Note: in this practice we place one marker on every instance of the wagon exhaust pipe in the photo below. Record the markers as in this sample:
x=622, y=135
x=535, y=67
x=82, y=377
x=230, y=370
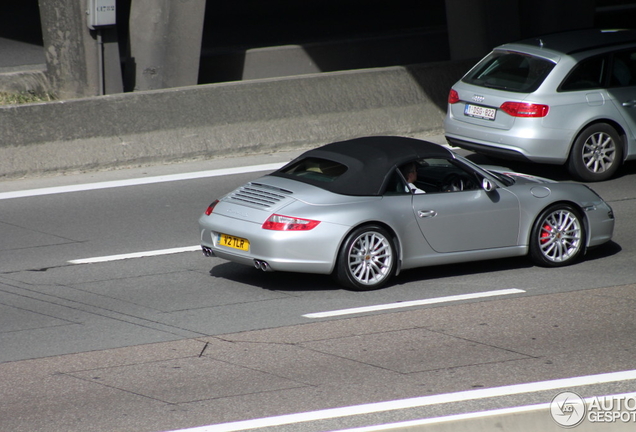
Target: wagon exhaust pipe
x=262, y=265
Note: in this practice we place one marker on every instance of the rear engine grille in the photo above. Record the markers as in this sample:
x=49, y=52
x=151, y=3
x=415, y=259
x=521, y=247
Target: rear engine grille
x=259, y=195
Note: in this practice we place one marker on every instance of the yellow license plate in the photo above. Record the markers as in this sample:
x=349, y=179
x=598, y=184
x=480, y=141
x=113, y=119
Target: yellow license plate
x=234, y=242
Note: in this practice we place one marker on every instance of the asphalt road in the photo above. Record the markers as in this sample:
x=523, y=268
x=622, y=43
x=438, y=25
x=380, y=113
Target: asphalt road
x=176, y=340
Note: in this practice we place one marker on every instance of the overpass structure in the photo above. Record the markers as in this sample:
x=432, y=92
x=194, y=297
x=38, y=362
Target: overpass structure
x=193, y=79
x=95, y=47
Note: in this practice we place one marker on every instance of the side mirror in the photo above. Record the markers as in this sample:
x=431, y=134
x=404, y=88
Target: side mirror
x=488, y=185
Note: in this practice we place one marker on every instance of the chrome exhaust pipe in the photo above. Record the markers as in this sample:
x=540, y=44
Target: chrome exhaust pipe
x=262, y=265
x=207, y=251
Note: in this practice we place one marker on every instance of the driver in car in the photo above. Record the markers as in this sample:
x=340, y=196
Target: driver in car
x=409, y=172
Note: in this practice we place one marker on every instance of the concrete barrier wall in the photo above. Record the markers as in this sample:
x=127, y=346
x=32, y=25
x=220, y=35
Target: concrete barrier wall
x=223, y=119
x=16, y=80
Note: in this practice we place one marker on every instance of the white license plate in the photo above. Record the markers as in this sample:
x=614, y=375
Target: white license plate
x=480, y=112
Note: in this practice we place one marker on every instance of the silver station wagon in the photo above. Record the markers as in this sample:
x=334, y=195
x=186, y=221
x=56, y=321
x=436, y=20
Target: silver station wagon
x=566, y=98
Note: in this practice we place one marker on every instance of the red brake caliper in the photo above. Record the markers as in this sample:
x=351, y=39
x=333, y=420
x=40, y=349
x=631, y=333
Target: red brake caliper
x=545, y=233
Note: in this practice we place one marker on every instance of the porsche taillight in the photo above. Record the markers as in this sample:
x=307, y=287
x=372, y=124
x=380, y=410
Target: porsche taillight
x=210, y=208
x=278, y=222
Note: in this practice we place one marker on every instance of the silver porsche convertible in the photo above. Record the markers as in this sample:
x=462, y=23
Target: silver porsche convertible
x=367, y=208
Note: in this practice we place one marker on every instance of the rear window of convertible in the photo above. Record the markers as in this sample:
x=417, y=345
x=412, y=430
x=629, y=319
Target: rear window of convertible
x=510, y=71
x=316, y=169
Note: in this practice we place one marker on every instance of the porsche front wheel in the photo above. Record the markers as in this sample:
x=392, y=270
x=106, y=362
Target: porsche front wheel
x=558, y=237
x=367, y=259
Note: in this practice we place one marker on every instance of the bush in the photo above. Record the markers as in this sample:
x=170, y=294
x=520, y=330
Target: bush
x=24, y=98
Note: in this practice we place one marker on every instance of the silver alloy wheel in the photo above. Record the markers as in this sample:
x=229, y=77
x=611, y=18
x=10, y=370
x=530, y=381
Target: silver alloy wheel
x=370, y=258
x=599, y=152
x=560, y=236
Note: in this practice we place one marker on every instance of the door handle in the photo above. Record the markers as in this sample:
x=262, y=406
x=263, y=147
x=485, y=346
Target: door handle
x=426, y=213
x=629, y=104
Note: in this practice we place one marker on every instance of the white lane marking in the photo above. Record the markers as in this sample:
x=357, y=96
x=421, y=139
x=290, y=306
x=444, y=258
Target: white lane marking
x=448, y=419
x=135, y=255
x=138, y=181
x=416, y=402
x=476, y=415
x=414, y=303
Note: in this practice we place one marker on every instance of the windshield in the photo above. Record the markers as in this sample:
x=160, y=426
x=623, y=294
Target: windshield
x=503, y=178
x=510, y=71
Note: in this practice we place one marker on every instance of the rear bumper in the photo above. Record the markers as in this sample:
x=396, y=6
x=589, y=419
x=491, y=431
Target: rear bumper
x=488, y=150
x=274, y=263
x=526, y=141
x=293, y=251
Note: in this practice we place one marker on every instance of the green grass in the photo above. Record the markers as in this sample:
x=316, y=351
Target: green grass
x=24, y=98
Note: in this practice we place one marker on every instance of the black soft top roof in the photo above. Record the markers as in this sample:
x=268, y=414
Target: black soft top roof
x=370, y=161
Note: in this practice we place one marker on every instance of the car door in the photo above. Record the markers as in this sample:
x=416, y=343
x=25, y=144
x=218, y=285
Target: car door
x=465, y=218
x=622, y=87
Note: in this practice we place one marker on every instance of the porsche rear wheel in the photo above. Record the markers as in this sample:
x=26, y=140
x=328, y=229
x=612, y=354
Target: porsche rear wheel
x=558, y=237
x=367, y=259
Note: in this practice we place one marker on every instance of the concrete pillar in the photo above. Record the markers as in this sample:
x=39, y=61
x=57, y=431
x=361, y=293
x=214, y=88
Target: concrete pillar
x=165, y=43
x=477, y=26
x=71, y=51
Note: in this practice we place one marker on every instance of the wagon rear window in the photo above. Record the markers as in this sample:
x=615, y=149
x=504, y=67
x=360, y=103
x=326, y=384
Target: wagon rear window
x=316, y=169
x=510, y=71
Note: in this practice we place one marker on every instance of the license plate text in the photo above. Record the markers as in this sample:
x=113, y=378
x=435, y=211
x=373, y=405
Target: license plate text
x=234, y=242
x=480, y=112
